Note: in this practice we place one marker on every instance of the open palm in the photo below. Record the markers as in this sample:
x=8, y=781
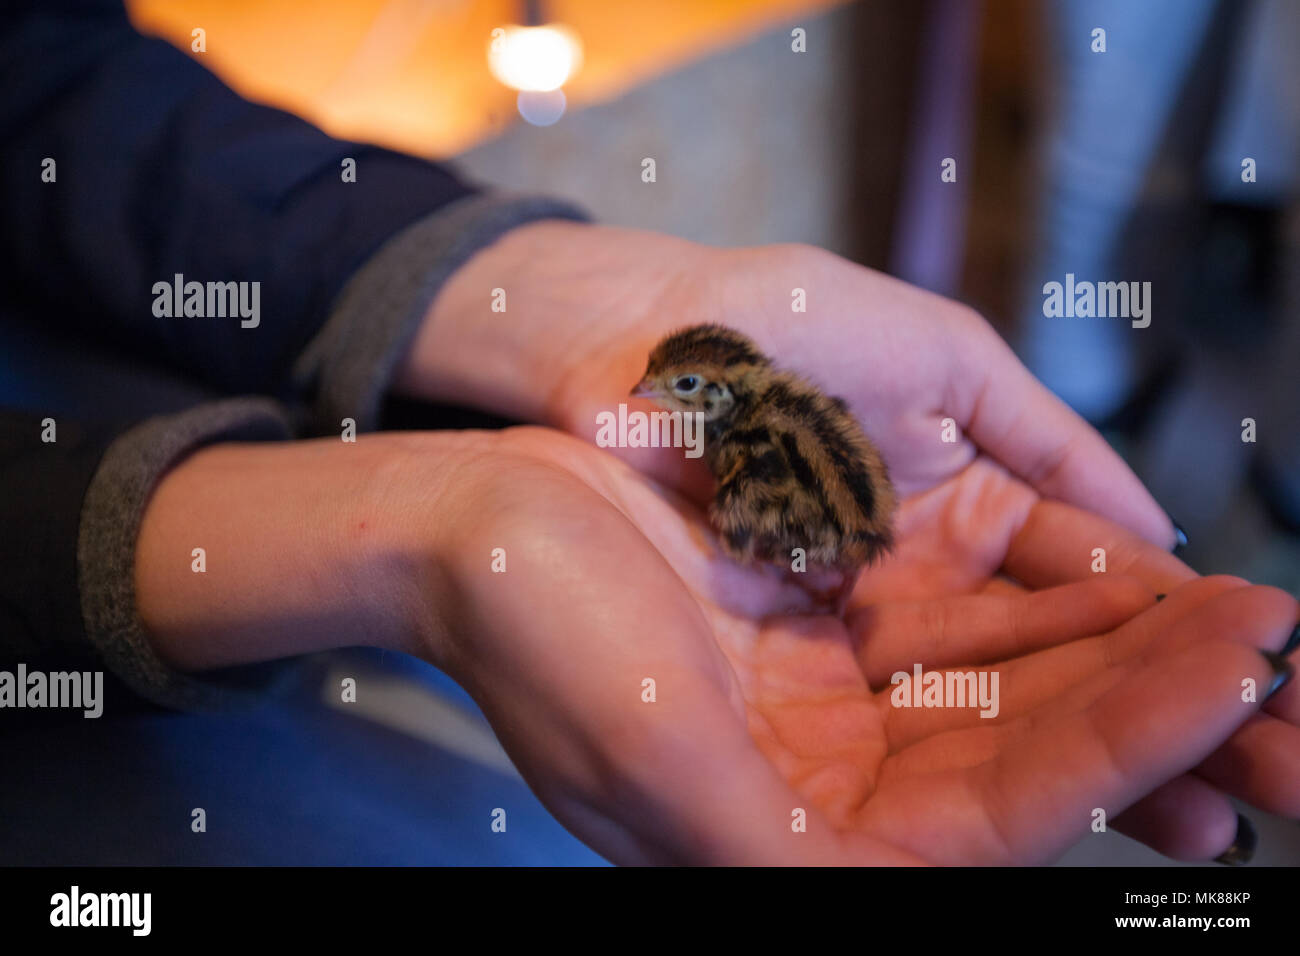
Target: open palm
x=588, y=302
x=761, y=716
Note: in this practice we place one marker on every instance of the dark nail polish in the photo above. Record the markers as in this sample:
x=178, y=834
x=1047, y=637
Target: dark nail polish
x=1282, y=672
x=1243, y=846
x=1161, y=597
x=1180, y=537
x=1292, y=642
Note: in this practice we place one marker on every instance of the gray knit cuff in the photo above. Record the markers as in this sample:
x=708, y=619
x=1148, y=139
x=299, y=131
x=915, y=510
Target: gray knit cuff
x=110, y=524
x=348, y=365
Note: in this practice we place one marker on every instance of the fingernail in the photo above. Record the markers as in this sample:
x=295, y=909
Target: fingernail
x=1161, y=597
x=1282, y=672
x=1292, y=642
x=1243, y=846
x=1180, y=537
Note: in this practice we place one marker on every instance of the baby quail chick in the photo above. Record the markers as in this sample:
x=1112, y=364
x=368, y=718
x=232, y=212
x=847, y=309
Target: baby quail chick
x=793, y=467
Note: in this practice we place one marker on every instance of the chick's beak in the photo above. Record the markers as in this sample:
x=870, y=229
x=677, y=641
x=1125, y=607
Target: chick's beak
x=643, y=389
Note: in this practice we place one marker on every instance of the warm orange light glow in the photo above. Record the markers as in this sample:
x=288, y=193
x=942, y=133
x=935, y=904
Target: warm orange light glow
x=534, y=59
x=412, y=74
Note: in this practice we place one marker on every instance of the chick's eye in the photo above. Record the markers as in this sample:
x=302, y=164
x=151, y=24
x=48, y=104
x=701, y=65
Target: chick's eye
x=686, y=384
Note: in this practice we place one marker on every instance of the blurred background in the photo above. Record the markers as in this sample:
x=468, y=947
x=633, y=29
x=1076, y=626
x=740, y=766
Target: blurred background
x=1164, y=149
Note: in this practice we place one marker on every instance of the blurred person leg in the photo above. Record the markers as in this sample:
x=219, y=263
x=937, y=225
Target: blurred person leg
x=1262, y=123
x=1110, y=112
x=1277, y=468
x=1236, y=325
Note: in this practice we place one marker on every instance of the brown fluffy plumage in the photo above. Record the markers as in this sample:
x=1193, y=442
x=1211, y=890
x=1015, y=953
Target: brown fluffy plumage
x=794, y=468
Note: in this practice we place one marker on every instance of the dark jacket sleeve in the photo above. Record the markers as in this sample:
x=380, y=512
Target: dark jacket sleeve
x=159, y=170
x=74, y=496
x=43, y=483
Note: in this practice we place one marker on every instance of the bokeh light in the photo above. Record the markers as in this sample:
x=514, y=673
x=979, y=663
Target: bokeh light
x=534, y=59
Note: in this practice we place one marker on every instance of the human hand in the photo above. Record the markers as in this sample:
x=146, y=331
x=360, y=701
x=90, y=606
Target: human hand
x=612, y=581
x=590, y=301
x=584, y=305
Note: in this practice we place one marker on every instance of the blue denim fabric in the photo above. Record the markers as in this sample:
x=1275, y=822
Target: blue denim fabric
x=1111, y=113
x=294, y=783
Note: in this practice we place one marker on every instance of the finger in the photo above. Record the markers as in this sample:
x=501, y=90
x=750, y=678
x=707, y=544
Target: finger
x=1059, y=543
x=1218, y=606
x=1259, y=764
x=1185, y=819
x=1285, y=704
x=1076, y=673
x=1153, y=725
x=951, y=539
x=1013, y=416
x=1001, y=585
x=973, y=629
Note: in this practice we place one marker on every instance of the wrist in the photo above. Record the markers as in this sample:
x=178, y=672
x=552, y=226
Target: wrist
x=470, y=349
x=305, y=546
x=509, y=328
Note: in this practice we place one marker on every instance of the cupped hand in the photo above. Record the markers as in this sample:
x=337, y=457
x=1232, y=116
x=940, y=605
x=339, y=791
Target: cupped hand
x=932, y=383
x=586, y=303
x=657, y=698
